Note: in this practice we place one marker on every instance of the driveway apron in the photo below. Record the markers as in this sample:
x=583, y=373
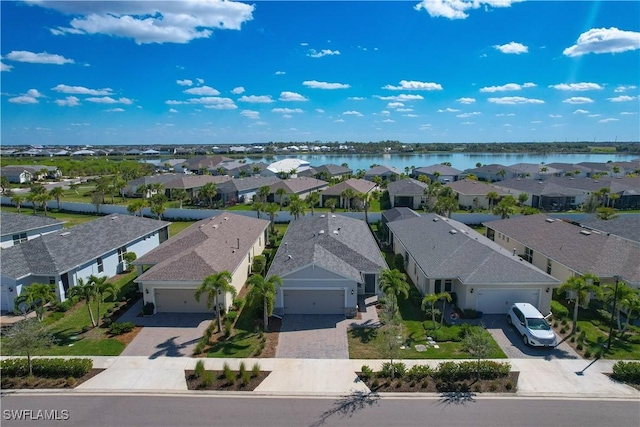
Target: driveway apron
x=305, y=336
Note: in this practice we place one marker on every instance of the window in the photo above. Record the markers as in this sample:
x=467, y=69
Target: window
x=19, y=238
x=528, y=255
x=448, y=285
x=52, y=280
x=438, y=288
x=406, y=258
x=100, y=265
x=548, y=265
x=121, y=252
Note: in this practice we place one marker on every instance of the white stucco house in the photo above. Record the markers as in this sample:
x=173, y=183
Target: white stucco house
x=18, y=228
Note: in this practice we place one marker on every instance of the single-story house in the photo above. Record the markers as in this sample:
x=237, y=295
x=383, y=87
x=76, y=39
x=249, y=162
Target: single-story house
x=16, y=175
x=442, y=173
x=443, y=255
x=20, y=174
x=492, y=173
x=325, y=262
x=242, y=190
x=535, y=171
x=301, y=186
x=198, y=164
x=193, y=183
x=565, y=250
x=386, y=173
x=335, y=191
x=408, y=193
x=18, y=228
x=570, y=169
x=595, y=168
x=472, y=194
x=548, y=195
x=62, y=258
x=227, y=242
x=395, y=214
x=328, y=171
x=287, y=167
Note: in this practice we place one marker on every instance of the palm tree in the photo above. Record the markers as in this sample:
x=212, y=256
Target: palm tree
x=272, y=210
x=33, y=199
x=296, y=206
x=331, y=204
x=445, y=205
x=101, y=289
x=264, y=289
x=612, y=199
x=263, y=193
x=312, y=199
x=102, y=187
x=431, y=191
x=36, y=295
x=501, y=173
x=136, y=206
x=208, y=192
x=347, y=194
x=492, y=196
x=214, y=285
x=429, y=305
x=179, y=194
x=57, y=193
x=258, y=207
x=85, y=292
x=622, y=293
x=632, y=305
x=42, y=198
x=280, y=192
x=394, y=283
x=581, y=286
x=4, y=183
x=118, y=185
x=506, y=207
x=17, y=200
x=158, y=205
x=445, y=297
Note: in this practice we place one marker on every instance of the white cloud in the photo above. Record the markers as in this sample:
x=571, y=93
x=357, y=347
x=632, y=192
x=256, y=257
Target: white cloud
x=324, y=52
x=505, y=115
x=81, y=90
x=173, y=110
x=578, y=100
x=31, y=97
x=628, y=113
x=256, y=99
x=5, y=67
x=623, y=98
x=555, y=116
x=512, y=48
x=404, y=110
x=115, y=110
x=69, y=101
x=319, y=110
x=352, y=113
x=414, y=85
x=37, y=58
x=338, y=121
x=577, y=86
x=385, y=113
x=202, y=91
x=395, y=105
x=291, y=96
x=237, y=90
x=594, y=115
x=468, y=123
x=507, y=87
x=214, y=102
x=604, y=40
x=580, y=111
x=280, y=73
x=535, y=122
x=200, y=81
x=466, y=100
x=448, y=110
x=623, y=88
x=510, y=100
x=401, y=98
x=304, y=44
x=152, y=21
x=314, y=84
x=456, y=9
x=185, y=82
x=109, y=100
x=250, y=114
x=287, y=110
x=356, y=98
x=466, y=115
x=411, y=115
x=388, y=121
x=611, y=119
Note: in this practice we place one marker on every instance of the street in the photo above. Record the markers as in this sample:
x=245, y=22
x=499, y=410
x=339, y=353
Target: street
x=73, y=409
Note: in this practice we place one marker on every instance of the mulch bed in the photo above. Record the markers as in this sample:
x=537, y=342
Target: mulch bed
x=126, y=338
x=39, y=382
x=507, y=384
x=271, y=344
x=636, y=386
x=220, y=382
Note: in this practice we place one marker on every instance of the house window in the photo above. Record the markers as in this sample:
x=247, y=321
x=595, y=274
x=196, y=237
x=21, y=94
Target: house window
x=100, y=265
x=52, y=280
x=548, y=265
x=528, y=255
x=438, y=287
x=19, y=238
x=406, y=258
x=448, y=285
x=415, y=269
x=121, y=252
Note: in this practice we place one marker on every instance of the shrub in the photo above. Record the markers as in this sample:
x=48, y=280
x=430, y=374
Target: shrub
x=573, y=338
x=109, y=310
x=579, y=346
x=398, y=262
x=207, y=379
x=85, y=329
x=238, y=303
x=446, y=371
x=430, y=325
x=555, y=323
x=71, y=382
x=199, y=347
x=242, y=369
x=231, y=316
x=228, y=327
x=230, y=376
x=226, y=368
x=399, y=368
x=563, y=330
x=508, y=385
x=375, y=383
x=425, y=383
x=148, y=309
x=587, y=353
x=199, y=371
x=628, y=372
x=118, y=328
x=419, y=372
x=48, y=368
x=493, y=386
x=563, y=322
x=367, y=372
x=255, y=370
x=246, y=377
x=559, y=311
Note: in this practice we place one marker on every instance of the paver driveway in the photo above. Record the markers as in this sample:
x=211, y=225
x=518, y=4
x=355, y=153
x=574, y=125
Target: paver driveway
x=313, y=336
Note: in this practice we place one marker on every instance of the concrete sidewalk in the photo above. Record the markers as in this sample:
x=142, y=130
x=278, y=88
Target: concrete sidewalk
x=538, y=378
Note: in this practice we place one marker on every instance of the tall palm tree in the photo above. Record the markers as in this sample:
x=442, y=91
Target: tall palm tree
x=632, y=305
x=394, y=283
x=136, y=206
x=347, y=194
x=208, y=192
x=158, y=205
x=264, y=289
x=445, y=205
x=85, y=291
x=179, y=194
x=263, y=193
x=17, y=200
x=280, y=192
x=214, y=286
x=429, y=305
x=506, y=207
x=42, y=199
x=272, y=210
x=580, y=286
x=36, y=295
x=312, y=200
x=258, y=207
x=331, y=204
x=492, y=196
x=431, y=191
x=33, y=199
x=445, y=297
x=296, y=206
x=57, y=193
x=4, y=184
x=501, y=173
x=622, y=295
x=101, y=289
x=118, y=185
x=522, y=198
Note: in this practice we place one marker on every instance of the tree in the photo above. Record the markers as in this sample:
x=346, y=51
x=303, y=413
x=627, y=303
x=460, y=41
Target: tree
x=85, y=292
x=259, y=263
x=179, y=194
x=501, y=173
x=492, y=196
x=580, y=286
x=17, y=200
x=102, y=188
x=97, y=199
x=312, y=200
x=26, y=337
x=331, y=204
x=158, y=205
x=258, y=207
x=445, y=205
x=506, y=207
x=57, y=193
x=215, y=285
x=101, y=289
x=623, y=294
x=264, y=289
x=445, y=297
x=522, y=198
x=280, y=192
x=33, y=199
x=347, y=194
x=118, y=186
x=431, y=192
x=136, y=206
x=612, y=199
x=272, y=210
x=394, y=283
x=35, y=296
x=4, y=184
x=606, y=214
x=296, y=206
x=263, y=193
x=429, y=306
x=391, y=330
x=632, y=305
x=479, y=344
x=208, y=192
x=128, y=258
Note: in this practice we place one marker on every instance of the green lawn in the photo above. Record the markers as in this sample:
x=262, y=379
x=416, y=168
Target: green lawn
x=245, y=338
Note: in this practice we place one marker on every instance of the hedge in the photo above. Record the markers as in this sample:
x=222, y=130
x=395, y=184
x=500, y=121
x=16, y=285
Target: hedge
x=628, y=372
x=559, y=311
x=47, y=368
x=118, y=328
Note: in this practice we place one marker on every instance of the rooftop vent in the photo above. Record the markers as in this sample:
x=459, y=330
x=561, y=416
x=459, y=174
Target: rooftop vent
x=321, y=232
x=333, y=216
x=226, y=218
x=453, y=232
x=549, y=219
x=215, y=225
x=113, y=218
x=436, y=219
x=66, y=233
x=335, y=232
x=322, y=216
x=585, y=232
x=514, y=251
x=289, y=256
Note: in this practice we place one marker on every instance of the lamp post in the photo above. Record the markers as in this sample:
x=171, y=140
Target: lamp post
x=613, y=310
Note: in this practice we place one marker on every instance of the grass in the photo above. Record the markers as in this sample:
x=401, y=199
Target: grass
x=245, y=338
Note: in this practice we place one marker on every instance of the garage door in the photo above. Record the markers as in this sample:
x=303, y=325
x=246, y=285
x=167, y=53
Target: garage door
x=180, y=301
x=313, y=301
x=498, y=301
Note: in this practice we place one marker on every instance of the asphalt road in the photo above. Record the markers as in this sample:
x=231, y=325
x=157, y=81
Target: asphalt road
x=355, y=410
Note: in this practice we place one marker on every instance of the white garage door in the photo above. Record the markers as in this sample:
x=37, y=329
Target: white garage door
x=498, y=301
x=180, y=301
x=313, y=301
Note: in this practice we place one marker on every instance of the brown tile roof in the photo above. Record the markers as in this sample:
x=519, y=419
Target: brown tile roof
x=207, y=247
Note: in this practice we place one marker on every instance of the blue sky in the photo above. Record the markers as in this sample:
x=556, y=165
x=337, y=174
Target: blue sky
x=200, y=72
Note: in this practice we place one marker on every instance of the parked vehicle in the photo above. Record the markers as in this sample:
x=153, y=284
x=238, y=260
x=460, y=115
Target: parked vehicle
x=531, y=325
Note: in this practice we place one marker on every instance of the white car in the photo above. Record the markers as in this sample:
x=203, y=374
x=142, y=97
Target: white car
x=531, y=325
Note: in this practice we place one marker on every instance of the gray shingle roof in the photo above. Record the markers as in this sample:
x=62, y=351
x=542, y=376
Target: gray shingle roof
x=199, y=162
x=543, y=188
x=357, y=185
x=332, y=169
x=465, y=254
x=195, y=181
x=382, y=170
x=209, y=246
x=396, y=214
x=346, y=247
x=625, y=226
x=58, y=252
x=249, y=183
x=474, y=188
x=442, y=169
x=406, y=187
x=492, y=169
x=12, y=223
x=300, y=184
x=602, y=255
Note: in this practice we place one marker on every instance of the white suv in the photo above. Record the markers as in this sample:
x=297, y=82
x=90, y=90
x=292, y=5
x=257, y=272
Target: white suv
x=531, y=325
